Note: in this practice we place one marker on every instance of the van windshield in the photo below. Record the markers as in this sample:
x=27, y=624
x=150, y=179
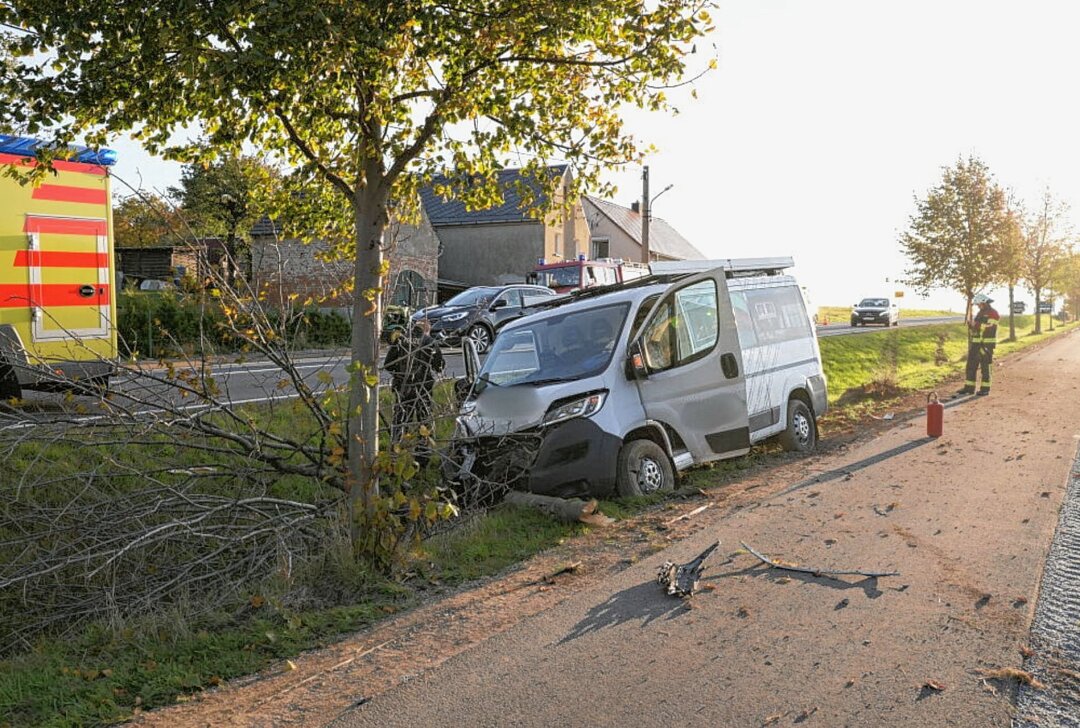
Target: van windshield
x=555, y=349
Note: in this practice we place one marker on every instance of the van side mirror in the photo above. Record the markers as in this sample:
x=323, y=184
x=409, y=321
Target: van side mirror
x=635, y=362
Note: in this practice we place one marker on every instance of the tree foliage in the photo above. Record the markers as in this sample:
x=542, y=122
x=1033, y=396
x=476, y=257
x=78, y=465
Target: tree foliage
x=224, y=198
x=954, y=237
x=1045, y=247
x=370, y=100
x=145, y=221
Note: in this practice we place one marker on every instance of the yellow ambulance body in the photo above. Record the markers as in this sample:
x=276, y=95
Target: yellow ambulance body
x=57, y=272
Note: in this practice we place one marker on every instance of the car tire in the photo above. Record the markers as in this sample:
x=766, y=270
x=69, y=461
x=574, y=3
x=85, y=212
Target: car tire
x=643, y=468
x=801, y=432
x=481, y=336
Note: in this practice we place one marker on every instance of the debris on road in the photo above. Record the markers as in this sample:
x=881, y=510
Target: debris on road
x=688, y=516
x=567, y=510
x=1010, y=673
x=681, y=580
x=934, y=685
x=813, y=570
x=886, y=510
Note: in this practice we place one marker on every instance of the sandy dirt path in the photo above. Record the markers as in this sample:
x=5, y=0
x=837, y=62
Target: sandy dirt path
x=966, y=519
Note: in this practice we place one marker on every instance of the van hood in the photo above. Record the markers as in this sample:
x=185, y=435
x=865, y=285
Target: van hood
x=505, y=410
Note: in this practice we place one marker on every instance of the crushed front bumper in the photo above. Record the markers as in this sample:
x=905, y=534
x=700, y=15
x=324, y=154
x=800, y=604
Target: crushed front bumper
x=571, y=459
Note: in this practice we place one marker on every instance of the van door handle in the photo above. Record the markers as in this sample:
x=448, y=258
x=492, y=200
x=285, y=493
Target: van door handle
x=729, y=365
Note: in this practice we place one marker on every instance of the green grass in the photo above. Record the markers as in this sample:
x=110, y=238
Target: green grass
x=103, y=676
x=898, y=360
x=99, y=676
x=492, y=542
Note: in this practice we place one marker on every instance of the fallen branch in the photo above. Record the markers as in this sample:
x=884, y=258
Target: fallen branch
x=1011, y=673
x=688, y=516
x=567, y=510
x=816, y=572
x=321, y=673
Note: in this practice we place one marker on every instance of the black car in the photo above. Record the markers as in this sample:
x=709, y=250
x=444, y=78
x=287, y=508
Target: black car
x=480, y=312
x=875, y=311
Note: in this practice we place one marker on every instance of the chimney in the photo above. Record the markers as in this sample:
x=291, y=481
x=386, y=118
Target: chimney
x=635, y=206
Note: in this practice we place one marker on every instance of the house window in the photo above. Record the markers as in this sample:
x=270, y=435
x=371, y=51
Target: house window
x=600, y=248
x=409, y=289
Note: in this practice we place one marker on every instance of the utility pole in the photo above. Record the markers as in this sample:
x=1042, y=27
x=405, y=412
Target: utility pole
x=645, y=253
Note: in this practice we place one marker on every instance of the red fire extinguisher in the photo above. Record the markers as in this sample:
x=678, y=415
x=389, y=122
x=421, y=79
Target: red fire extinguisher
x=935, y=415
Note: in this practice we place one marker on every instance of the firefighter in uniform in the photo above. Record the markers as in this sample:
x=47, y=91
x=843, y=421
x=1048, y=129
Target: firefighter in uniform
x=981, y=345
x=413, y=361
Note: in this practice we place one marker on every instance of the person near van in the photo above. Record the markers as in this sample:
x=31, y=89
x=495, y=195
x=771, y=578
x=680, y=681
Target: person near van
x=983, y=340
x=413, y=362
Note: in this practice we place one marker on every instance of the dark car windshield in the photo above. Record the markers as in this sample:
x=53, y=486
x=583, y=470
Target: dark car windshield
x=473, y=297
x=874, y=302
x=556, y=349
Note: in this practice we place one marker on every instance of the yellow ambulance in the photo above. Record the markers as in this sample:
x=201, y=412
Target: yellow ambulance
x=57, y=272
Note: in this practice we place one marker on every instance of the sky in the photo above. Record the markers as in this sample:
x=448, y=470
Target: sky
x=824, y=120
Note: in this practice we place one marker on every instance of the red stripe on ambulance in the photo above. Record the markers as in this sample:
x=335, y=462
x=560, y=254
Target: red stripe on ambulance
x=67, y=193
x=59, y=259
x=64, y=226
x=17, y=295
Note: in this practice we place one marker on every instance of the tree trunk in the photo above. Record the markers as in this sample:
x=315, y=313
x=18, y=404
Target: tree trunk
x=1038, y=316
x=1012, y=317
x=369, y=209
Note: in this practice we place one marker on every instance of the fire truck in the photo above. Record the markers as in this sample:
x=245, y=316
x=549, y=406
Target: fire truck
x=571, y=275
x=57, y=270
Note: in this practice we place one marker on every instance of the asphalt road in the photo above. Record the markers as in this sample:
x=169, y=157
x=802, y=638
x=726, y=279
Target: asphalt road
x=844, y=328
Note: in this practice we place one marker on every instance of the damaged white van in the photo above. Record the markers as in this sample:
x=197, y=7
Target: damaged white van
x=614, y=390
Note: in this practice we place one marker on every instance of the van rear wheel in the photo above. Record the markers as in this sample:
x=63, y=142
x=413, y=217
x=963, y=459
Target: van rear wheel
x=643, y=468
x=801, y=432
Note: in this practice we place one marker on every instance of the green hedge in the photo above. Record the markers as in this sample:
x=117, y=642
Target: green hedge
x=170, y=324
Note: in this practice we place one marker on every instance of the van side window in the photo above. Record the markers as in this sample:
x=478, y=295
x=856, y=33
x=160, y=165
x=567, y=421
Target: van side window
x=744, y=322
x=777, y=314
x=642, y=312
x=684, y=328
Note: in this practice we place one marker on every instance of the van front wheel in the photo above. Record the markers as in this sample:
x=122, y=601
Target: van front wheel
x=801, y=432
x=643, y=468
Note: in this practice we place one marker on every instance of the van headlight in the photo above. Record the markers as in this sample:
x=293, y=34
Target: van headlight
x=585, y=406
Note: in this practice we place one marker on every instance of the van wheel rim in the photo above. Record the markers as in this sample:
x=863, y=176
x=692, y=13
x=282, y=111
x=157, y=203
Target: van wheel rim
x=802, y=428
x=650, y=475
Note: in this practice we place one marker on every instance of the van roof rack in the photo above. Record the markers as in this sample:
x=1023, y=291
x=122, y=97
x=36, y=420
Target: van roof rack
x=669, y=271
x=736, y=267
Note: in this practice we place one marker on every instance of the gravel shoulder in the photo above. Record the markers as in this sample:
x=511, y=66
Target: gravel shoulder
x=966, y=519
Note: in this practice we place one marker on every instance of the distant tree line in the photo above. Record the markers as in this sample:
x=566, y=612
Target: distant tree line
x=969, y=234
